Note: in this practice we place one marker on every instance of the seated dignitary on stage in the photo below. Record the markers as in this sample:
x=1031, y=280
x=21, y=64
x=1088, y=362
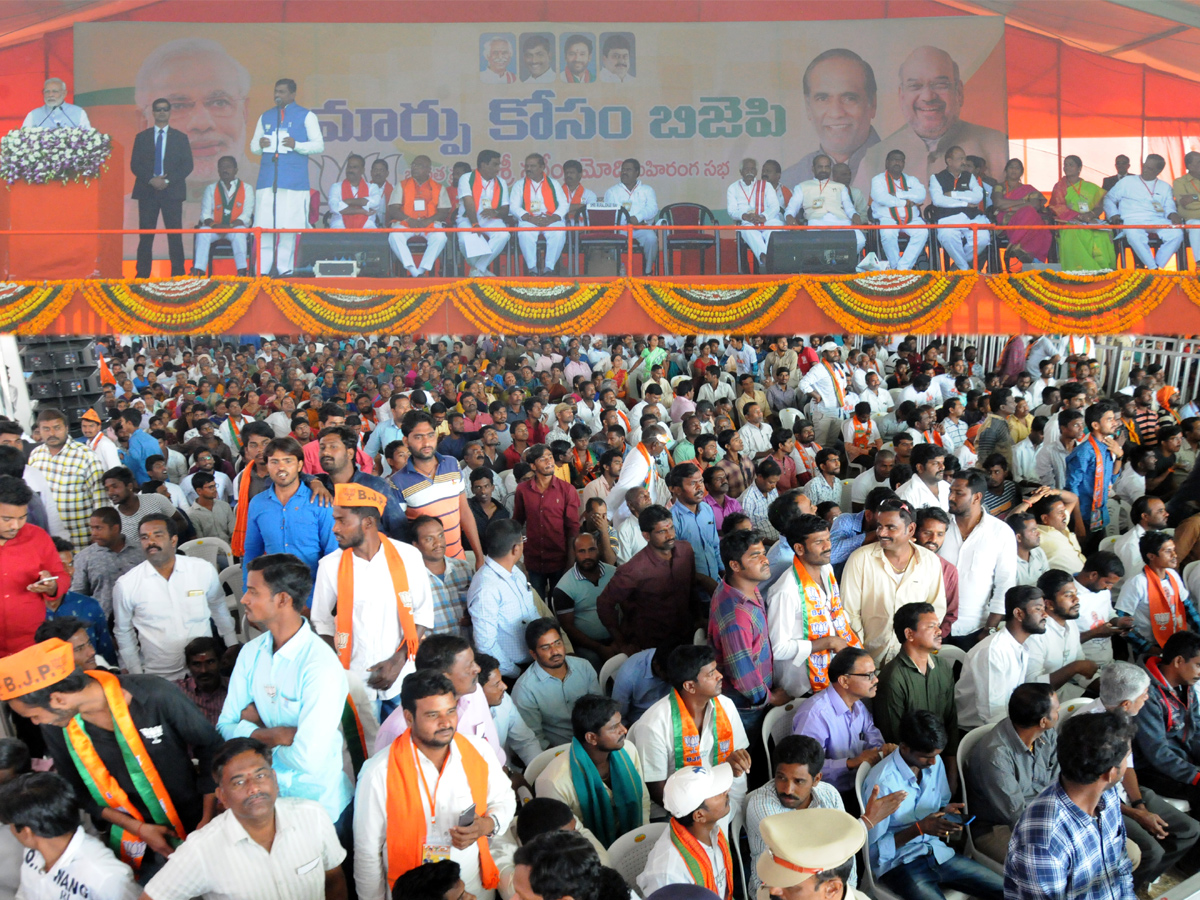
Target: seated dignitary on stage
x=821, y=202
x=422, y=202
x=1146, y=200
x=538, y=202
x=353, y=201
x=896, y=200
x=641, y=206
x=229, y=203
x=955, y=197
x=482, y=201
x=751, y=203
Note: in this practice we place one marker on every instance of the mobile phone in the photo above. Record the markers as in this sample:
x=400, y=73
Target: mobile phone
x=468, y=817
x=956, y=819
x=52, y=579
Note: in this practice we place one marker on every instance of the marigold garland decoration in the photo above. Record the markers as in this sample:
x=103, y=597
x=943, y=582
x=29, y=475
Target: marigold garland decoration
x=510, y=307
x=325, y=311
x=1084, y=304
x=29, y=307
x=1190, y=286
x=178, y=306
x=688, y=309
x=890, y=301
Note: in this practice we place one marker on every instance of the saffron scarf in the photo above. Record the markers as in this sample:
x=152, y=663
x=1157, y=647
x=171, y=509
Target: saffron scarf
x=819, y=619
x=837, y=388
x=687, y=735
x=235, y=432
x=477, y=190
x=243, y=511
x=344, y=637
x=1097, y=520
x=649, y=465
x=1166, y=617
x=103, y=786
x=895, y=210
x=427, y=193
x=862, y=434
x=808, y=462
x=352, y=730
x=575, y=196
x=353, y=220
x=933, y=437
x=549, y=201
x=695, y=857
x=231, y=207
x=594, y=801
x=406, y=818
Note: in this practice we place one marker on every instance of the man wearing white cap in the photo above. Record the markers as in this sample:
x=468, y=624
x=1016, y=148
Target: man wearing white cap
x=693, y=850
x=825, y=384
x=810, y=854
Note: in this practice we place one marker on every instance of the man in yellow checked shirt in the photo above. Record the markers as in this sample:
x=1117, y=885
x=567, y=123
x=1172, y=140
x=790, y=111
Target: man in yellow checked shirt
x=124, y=742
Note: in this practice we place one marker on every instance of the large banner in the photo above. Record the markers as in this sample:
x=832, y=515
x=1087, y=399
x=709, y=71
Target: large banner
x=689, y=101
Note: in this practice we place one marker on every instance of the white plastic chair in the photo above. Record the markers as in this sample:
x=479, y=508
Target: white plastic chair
x=866, y=879
x=965, y=746
x=208, y=548
x=1114, y=517
x=700, y=638
x=231, y=582
x=847, y=490
x=629, y=852
x=777, y=724
x=788, y=417
x=952, y=656
x=1106, y=543
x=608, y=672
x=538, y=764
x=736, y=827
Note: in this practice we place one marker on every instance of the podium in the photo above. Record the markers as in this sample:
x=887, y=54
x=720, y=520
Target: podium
x=60, y=206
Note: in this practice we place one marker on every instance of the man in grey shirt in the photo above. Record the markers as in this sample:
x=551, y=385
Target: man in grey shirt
x=105, y=559
x=1012, y=764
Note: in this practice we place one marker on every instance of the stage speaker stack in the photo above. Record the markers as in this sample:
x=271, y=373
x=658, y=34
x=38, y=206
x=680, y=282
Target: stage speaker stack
x=64, y=374
x=815, y=252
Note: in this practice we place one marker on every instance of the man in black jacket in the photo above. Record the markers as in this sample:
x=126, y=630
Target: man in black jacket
x=1167, y=751
x=161, y=162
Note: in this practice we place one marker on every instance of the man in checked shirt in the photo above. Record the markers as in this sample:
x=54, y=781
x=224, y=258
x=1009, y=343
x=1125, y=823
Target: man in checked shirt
x=73, y=471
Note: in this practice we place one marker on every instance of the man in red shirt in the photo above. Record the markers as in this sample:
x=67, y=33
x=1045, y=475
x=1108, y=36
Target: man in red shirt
x=548, y=507
x=30, y=569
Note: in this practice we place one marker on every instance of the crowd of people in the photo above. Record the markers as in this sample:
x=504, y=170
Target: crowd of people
x=961, y=194
x=493, y=604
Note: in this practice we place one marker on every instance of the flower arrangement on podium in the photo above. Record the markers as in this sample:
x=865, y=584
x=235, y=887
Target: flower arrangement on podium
x=43, y=155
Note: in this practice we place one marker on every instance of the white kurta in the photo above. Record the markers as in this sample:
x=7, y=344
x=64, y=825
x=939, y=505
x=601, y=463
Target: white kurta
x=640, y=203
x=758, y=198
x=527, y=238
x=337, y=205
x=237, y=242
x=482, y=245
x=284, y=208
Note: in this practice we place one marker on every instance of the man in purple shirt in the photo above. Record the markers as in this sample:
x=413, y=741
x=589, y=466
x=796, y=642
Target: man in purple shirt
x=841, y=723
x=716, y=484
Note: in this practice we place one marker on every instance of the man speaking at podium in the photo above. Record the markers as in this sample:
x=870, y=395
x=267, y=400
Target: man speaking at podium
x=284, y=137
x=56, y=112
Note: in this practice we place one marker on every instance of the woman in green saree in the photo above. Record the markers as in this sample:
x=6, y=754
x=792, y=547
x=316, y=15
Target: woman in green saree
x=1079, y=202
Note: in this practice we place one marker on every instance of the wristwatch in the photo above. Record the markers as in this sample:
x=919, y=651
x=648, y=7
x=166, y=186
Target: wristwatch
x=1138, y=803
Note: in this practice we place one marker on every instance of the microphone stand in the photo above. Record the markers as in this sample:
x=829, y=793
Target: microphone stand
x=274, y=273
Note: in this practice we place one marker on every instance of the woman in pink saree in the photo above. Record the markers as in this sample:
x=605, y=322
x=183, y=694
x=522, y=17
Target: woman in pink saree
x=1018, y=205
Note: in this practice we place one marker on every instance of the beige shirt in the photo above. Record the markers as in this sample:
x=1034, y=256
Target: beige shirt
x=1062, y=550
x=871, y=594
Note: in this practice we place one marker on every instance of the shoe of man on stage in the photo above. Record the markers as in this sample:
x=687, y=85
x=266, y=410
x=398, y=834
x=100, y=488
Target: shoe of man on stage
x=285, y=136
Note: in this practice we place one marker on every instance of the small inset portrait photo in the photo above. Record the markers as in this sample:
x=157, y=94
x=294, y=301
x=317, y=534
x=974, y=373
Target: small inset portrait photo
x=537, y=58
x=497, y=59
x=578, y=57
x=618, y=59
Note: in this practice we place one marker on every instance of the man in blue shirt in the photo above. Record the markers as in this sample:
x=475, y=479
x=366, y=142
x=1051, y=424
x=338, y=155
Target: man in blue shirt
x=282, y=520
x=141, y=445
x=640, y=682
x=696, y=523
x=1087, y=480
x=907, y=849
x=499, y=600
x=289, y=690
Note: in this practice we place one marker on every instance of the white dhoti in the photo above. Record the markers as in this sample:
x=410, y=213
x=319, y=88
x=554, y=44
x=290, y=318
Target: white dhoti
x=1139, y=242
x=958, y=242
x=859, y=238
x=290, y=209
x=527, y=239
x=648, y=241
x=482, y=246
x=435, y=243
x=203, y=246
x=889, y=239
x=757, y=240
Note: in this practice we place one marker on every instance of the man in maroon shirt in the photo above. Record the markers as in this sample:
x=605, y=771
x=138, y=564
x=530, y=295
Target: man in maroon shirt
x=548, y=507
x=651, y=600
x=30, y=569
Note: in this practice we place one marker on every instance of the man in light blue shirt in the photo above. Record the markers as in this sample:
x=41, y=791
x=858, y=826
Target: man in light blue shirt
x=499, y=600
x=386, y=432
x=282, y=519
x=546, y=693
x=289, y=691
x=908, y=850
x=696, y=523
x=56, y=112
x=640, y=682
x=141, y=445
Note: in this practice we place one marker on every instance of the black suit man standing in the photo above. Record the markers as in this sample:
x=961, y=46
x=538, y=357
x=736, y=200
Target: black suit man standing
x=161, y=162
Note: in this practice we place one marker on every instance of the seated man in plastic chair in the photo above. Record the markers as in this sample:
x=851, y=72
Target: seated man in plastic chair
x=1146, y=200
x=752, y=205
x=641, y=206
x=821, y=202
x=354, y=201
x=956, y=198
x=227, y=204
x=482, y=201
x=538, y=203
x=422, y=203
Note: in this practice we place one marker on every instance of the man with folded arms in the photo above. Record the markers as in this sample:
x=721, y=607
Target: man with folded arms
x=538, y=202
x=421, y=203
x=125, y=743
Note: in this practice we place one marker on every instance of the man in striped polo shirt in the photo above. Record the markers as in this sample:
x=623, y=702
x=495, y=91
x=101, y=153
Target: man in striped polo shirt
x=432, y=485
